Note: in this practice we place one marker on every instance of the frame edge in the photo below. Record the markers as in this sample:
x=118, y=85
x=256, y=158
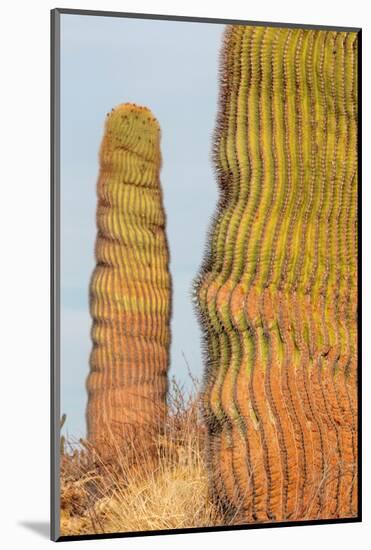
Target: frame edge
x=54, y=275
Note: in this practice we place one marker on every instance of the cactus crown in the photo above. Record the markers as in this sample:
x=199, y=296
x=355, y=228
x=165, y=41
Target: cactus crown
x=133, y=128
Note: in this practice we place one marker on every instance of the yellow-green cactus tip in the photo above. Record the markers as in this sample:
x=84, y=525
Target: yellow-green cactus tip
x=134, y=128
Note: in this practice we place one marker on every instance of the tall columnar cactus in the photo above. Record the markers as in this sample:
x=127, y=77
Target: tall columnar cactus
x=277, y=294
x=130, y=292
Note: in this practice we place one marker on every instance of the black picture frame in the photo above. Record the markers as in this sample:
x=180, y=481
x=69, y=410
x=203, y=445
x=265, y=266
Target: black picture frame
x=55, y=274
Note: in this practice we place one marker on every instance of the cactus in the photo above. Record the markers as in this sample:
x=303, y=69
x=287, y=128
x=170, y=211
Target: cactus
x=277, y=292
x=130, y=286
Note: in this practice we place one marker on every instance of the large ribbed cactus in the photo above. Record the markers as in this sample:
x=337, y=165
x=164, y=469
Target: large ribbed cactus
x=277, y=293
x=130, y=287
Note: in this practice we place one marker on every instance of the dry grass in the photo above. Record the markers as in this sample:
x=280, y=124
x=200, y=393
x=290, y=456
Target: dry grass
x=143, y=492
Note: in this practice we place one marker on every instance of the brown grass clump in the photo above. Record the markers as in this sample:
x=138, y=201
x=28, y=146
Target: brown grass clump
x=135, y=491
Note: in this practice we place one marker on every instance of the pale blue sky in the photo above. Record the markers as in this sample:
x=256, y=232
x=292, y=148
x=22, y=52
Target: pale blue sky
x=172, y=68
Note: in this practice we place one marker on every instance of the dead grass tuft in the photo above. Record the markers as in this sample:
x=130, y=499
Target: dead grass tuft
x=135, y=491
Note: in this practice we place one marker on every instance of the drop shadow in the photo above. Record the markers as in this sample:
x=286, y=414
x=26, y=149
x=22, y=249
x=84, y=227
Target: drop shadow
x=42, y=528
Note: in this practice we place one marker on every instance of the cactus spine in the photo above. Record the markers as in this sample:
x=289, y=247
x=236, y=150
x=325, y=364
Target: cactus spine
x=130, y=286
x=277, y=293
